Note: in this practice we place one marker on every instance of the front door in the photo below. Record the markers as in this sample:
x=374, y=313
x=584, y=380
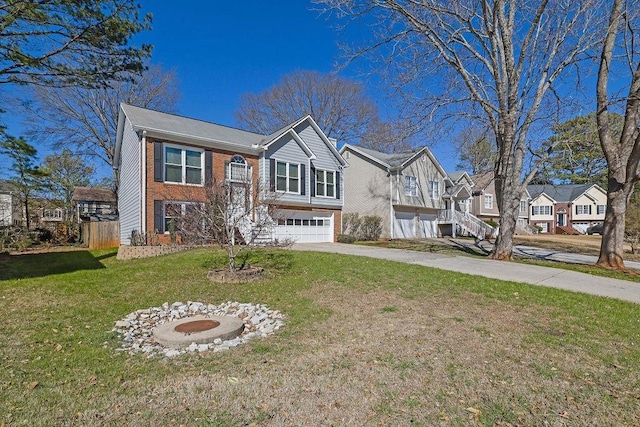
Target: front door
x=562, y=220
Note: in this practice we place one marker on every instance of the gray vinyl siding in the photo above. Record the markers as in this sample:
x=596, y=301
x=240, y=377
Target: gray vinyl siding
x=325, y=160
x=286, y=149
x=425, y=171
x=366, y=190
x=129, y=190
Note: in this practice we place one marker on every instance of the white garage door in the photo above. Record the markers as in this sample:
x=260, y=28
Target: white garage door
x=403, y=225
x=428, y=225
x=304, y=227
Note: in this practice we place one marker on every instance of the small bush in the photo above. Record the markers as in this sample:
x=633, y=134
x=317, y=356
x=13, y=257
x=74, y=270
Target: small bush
x=491, y=222
x=346, y=238
x=371, y=227
x=351, y=224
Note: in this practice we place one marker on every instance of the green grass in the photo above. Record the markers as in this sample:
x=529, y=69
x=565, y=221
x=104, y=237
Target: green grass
x=58, y=352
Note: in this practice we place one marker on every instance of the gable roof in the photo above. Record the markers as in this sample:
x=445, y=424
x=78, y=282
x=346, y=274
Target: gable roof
x=94, y=194
x=482, y=180
x=561, y=193
x=7, y=187
x=394, y=161
x=166, y=125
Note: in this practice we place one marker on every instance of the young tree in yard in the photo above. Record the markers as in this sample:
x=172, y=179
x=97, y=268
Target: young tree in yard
x=341, y=107
x=27, y=177
x=620, y=55
x=65, y=42
x=494, y=62
x=235, y=215
x=86, y=119
x=64, y=172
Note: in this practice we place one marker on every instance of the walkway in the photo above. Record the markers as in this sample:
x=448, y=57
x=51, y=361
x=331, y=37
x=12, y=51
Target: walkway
x=512, y=271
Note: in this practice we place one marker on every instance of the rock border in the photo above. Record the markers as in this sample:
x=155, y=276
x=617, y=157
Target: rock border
x=136, y=329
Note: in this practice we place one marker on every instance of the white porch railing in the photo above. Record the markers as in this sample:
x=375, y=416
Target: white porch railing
x=467, y=222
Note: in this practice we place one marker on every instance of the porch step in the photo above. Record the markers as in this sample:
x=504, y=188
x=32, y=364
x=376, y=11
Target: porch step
x=566, y=229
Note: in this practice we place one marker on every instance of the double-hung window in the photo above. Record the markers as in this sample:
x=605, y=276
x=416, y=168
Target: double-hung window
x=181, y=216
x=541, y=210
x=410, y=186
x=601, y=209
x=183, y=166
x=583, y=209
x=325, y=183
x=488, y=201
x=523, y=206
x=434, y=189
x=287, y=177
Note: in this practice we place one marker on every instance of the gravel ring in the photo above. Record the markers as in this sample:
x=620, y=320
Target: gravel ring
x=136, y=329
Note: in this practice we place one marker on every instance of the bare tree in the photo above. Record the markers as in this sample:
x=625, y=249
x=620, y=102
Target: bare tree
x=476, y=151
x=490, y=61
x=234, y=214
x=620, y=55
x=341, y=107
x=87, y=119
x=387, y=137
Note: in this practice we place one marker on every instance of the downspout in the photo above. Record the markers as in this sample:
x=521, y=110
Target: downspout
x=391, y=233
x=143, y=190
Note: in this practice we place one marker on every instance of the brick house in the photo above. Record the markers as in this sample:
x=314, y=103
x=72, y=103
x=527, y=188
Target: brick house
x=166, y=162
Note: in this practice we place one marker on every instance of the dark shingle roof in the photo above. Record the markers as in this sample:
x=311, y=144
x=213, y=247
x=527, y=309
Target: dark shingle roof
x=93, y=194
x=172, y=124
x=560, y=193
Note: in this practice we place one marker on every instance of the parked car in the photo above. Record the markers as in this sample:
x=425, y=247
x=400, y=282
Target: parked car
x=595, y=229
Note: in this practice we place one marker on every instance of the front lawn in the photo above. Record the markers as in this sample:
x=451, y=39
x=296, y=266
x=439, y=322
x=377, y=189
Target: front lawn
x=366, y=342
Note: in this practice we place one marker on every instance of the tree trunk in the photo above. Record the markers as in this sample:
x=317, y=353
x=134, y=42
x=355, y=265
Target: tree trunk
x=508, y=198
x=612, y=247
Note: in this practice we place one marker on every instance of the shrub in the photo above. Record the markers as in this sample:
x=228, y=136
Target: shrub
x=351, y=224
x=346, y=238
x=371, y=228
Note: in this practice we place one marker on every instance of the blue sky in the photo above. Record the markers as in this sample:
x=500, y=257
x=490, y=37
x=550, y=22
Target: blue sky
x=223, y=49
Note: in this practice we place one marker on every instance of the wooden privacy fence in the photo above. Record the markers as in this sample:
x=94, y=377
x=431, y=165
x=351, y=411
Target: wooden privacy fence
x=100, y=234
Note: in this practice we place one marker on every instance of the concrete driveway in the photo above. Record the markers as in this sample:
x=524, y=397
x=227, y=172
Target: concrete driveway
x=503, y=270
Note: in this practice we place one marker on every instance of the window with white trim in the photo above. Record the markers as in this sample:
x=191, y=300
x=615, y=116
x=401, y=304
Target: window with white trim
x=239, y=170
x=183, y=166
x=325, y=183
x=410, y=186
x=541, y=210
x=434, y=189
x=288, y=177
x=181, y=214
x=523, y=206
x=488, y=201
x=601, y=209
x=583, y=209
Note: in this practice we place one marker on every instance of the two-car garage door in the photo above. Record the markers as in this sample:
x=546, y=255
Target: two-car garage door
x=411, y=225
x=303, y=226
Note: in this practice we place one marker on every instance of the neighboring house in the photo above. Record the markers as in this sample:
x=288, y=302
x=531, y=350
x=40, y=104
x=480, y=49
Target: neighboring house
x=165, y=161
x=485, y=205
x=10, y=208
x=94, y=204
x=46, y=213
x=410, y=191
x=566, y=208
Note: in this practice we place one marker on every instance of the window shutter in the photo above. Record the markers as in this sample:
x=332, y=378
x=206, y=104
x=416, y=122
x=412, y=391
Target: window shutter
x=208, y=168
x=157, y=216
x=337, y=185
x=272, y=174
x=303, y=183
x=312, y=181
x=227, y=174
x=157, y=161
